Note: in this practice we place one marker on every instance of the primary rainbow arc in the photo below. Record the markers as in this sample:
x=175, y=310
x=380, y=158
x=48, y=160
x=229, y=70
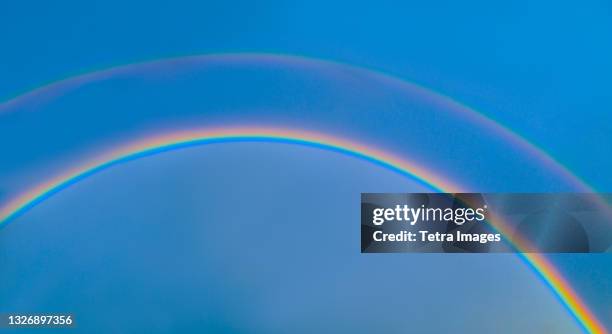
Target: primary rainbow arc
x=542, y=266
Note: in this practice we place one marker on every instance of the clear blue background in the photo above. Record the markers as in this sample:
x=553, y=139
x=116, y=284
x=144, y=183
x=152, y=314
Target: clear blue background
x=541, y=69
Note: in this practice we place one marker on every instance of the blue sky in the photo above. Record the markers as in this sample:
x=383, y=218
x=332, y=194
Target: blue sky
x=206, y=239
x=542, y=69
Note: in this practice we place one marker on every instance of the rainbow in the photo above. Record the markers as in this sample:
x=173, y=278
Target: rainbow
x=176, y=140
x=446, y=103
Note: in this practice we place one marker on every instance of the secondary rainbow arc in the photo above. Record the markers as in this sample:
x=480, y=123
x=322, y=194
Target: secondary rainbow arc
x=542, y=266
x=436, y=98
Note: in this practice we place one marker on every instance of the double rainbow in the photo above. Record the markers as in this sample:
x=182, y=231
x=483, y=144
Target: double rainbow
x=436, y=99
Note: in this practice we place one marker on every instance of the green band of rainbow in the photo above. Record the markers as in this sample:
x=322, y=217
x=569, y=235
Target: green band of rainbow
x=542, y=266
